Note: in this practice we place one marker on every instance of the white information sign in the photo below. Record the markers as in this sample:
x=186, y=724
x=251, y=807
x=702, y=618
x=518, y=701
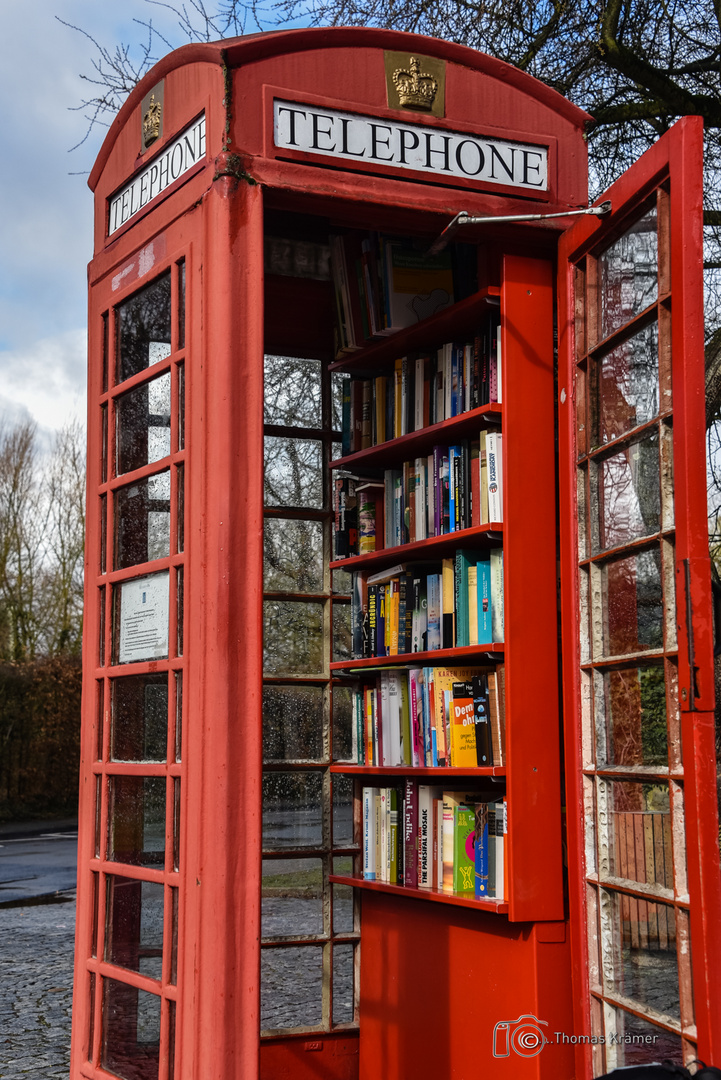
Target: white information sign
x=144, y=611
x=177, y=157
x=419, y=147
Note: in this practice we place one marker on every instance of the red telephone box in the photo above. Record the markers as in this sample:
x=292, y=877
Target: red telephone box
x=249, y=201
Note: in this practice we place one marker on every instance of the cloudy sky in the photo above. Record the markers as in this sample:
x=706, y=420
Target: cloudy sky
x=45, y=236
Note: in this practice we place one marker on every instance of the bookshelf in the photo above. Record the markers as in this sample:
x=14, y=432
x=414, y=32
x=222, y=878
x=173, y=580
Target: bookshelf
x=530, y=773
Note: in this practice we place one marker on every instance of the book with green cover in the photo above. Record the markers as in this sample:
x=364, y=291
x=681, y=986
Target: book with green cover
x=463, y=856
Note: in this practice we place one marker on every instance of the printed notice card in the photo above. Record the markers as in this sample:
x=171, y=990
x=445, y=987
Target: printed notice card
x=144, y=611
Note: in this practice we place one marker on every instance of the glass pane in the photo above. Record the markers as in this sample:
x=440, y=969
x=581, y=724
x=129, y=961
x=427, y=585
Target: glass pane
x=343, y=724
x=139, y=730
x=341, y=632
x=143, y=424
x=633, y=602
x=180, y=474
x=293, y=556
x=283, y=972
x=180, y=602
x=96, y=908
x=143, y=327
x=292, y=723
x=337, y=400
x=134, y=925
x=343, y=984
x=181, y=304
x=174, y=937
x=106, y=342
x=626, y=495
x=292, y=898
x=91, y=1027
x=136, y=820
x=633, y=727
x=176, y=823
x=292, y=812
x=343, y=897
x=131, y=1031
x=171, y=1040
x=628, y=274
x=342, y=811
x=644, y=967
x=104, y=450
x=342, y=582
x=178, y=715
x=292, y=638
x=103, y=533
x=638, y=1042
x=181, y=406
x=639, y=843
x=293, y=472
x=142, y=521
x=100, y=705
x=628, y=389
x=292, y=392
x=101, y=630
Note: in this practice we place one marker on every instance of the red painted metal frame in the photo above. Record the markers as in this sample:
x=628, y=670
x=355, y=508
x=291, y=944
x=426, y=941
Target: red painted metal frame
x=216, y=220
x=676, y=159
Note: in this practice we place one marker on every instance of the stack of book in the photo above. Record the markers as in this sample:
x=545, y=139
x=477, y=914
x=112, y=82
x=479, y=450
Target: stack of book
x=383, y=284
x=424, y=837
x=412, y=608
x=453, y=488
x=431, y=716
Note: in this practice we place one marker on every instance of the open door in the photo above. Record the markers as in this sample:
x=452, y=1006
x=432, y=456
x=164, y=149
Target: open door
x=645, y=891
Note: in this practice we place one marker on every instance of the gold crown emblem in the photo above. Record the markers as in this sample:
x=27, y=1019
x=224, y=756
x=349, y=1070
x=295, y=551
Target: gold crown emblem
x=416, y=88
x=151, y=121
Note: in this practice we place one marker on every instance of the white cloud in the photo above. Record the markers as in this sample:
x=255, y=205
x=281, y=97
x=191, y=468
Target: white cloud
x=45, y=380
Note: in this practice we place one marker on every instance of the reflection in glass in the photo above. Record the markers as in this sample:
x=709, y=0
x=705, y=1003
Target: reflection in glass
x=100, y=707
x=103, y=533
x=178, y=715
x=174, y=936
x=131, y=1031
x=644, y=967
x=91, y=1027
x=142, y=513
x=292, y=723
x=176, y=823
x=282, y=972
x=180, y=603
x=634, y=704
x=343, y=897
x=633, y=604
x=180, y=474
x=106, y=343
x=293, y=472
x=627, y=385
x=343, y=724
x=171, y=1040
x=341, y=582
x=139, y=730
x=337, y=400
x=292, y=898
x=646, y=1042
x=134, y=925
x=292, y=815
x=143, y=424
x=292, y=638
x=341, y=632
x=343, y=984
x=136, y=820
x=143, y=328
x=181, y=406
x=639, y=838
x=293, y=553
x=628, y=274
x=626, y=495
x=342, y=810
x=181, y=304
x=291, y=394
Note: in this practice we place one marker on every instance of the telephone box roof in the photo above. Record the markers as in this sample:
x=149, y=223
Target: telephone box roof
x=234, y=52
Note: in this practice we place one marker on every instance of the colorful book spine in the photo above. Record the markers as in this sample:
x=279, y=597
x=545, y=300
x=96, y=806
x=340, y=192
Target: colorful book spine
x=463, y=855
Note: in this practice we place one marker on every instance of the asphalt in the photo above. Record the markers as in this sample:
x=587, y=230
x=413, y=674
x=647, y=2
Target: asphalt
x=37, y=860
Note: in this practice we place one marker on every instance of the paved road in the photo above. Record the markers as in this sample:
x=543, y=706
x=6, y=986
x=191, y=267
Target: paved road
x=37, y=861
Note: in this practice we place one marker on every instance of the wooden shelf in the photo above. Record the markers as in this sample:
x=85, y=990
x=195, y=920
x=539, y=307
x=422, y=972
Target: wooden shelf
x=395, y=451
x=431, y=657
x=496, y=907
x=435, y=547
x=450, y=324
x=419, y=770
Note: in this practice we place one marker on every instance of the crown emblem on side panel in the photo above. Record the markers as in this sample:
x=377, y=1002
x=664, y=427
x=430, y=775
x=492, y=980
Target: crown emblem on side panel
x=416, y=88
x=151, y=121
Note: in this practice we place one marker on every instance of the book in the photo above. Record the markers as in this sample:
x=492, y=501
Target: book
x=494, y=442
x=482, y=721
x=481, y=851
x=410, y=833
x=497, y=620
x=426, y=794
x=369, y=833
x=463, y=850
x=462, y=725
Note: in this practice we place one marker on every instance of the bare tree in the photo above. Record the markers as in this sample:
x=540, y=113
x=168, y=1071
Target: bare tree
x=41, y=544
